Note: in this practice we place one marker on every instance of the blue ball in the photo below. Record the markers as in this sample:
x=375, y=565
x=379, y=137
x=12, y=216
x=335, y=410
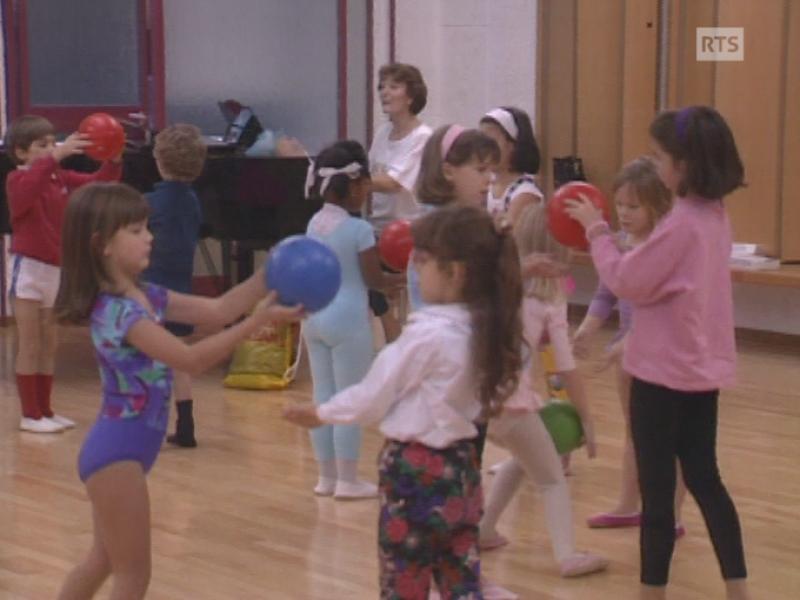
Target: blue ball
x=303, y=271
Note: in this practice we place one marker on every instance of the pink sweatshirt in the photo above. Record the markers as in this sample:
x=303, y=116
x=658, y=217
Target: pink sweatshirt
x=679, y=284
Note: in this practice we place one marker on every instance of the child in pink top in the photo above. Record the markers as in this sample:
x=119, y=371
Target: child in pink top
x=641, y=199
x=681, y=348
x=520, y=428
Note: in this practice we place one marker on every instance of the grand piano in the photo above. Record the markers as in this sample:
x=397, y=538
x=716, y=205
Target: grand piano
x=248, y=203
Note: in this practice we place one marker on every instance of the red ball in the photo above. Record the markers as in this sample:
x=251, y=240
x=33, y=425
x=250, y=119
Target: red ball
x=105, y=133
x=395, y=244
x=564, y=228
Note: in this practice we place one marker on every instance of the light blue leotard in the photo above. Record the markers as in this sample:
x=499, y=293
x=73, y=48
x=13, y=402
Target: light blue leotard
x=339, y=337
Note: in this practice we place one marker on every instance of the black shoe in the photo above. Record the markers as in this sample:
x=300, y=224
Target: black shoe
x=182, y=441
x=184, y=426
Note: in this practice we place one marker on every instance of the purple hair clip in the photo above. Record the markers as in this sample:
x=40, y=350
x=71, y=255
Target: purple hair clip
x=682, y=123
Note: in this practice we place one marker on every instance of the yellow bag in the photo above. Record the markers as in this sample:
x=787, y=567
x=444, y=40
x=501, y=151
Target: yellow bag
x=555, y=386
x=267, y=360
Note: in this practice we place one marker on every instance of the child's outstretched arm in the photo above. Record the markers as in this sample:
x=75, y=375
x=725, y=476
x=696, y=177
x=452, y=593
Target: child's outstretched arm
x=161, y=345
x=645, y=274
x=599, y=310
x=399, y=365
x=542, y=265
x=374, y=276
x=220, y=311
x=573, y=384
x=110, y=170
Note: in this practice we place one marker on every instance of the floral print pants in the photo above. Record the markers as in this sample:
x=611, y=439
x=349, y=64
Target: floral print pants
x=431, y=504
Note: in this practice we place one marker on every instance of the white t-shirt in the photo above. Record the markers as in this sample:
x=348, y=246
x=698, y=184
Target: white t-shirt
x=420, y=388
x=525, y=184
x=399, y=159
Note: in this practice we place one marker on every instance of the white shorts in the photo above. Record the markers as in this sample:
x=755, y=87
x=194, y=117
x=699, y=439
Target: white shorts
x=32, y=279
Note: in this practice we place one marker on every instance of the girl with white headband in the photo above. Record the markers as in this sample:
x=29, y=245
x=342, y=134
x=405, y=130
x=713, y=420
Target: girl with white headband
x=514, y=186
x=455, y=168
x=339, y=337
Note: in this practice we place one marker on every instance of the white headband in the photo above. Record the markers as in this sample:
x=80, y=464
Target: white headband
x=506, y=121
x=353, y=170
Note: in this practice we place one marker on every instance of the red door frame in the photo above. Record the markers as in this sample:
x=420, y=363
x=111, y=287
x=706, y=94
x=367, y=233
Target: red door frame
x=342, y=27
x=66, y=118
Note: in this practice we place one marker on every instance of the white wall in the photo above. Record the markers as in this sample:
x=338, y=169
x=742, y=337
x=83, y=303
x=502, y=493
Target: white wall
x=278, y=56
x=474, y=54
x=357, y=89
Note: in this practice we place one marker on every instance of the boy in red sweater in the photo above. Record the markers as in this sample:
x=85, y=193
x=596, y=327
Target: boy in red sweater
x=37, y=193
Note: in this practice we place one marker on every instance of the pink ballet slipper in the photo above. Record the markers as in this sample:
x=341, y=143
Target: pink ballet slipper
x=613, y=520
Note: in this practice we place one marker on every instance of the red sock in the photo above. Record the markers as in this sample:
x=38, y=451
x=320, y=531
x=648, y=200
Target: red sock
x=44, y=385
x=27, y=389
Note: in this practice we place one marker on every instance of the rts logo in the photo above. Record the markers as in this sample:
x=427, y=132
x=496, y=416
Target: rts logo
x=720, y=43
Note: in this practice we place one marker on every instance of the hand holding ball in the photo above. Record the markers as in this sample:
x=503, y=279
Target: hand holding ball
x=303, y=271
x=106, y=135
x=564, y=227
x=396, y=244
x=564, y=425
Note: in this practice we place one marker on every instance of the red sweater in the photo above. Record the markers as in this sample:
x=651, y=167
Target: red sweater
x=37, y=198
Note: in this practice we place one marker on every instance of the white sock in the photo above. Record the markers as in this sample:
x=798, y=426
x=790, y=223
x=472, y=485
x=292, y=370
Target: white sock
x=347, y=471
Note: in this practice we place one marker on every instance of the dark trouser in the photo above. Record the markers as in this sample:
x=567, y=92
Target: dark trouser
x=667, y=423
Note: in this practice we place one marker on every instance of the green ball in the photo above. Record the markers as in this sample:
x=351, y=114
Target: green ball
x=564, y=425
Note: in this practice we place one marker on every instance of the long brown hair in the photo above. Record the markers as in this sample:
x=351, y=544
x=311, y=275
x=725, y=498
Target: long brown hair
x=432, y=187
x=95, y=212
x=492, y=291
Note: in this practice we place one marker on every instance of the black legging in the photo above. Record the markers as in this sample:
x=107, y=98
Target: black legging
x=667, y=423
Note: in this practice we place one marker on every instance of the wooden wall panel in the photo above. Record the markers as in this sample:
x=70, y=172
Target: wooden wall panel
x=597, y=94
x=692, y=82
x=599, y=87
x=639, y=76
x=749, y=95
x=790, y=196
x=555, y=122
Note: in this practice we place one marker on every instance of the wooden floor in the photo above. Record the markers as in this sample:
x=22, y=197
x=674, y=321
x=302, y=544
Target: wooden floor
x=236, y=518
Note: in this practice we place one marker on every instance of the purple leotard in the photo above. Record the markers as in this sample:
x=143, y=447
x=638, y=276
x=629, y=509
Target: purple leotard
x=136, y=389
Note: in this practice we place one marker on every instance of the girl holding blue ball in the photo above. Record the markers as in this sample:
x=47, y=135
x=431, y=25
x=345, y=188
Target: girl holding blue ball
x=106, y=247
x=339, y=337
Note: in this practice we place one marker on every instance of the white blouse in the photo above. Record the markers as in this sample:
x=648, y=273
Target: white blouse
x=421, y=387
x=400, y=160
x=525, y=184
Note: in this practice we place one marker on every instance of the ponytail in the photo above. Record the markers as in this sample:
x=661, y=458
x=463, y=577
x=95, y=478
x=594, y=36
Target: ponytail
x=498, y=346
x=492, y=292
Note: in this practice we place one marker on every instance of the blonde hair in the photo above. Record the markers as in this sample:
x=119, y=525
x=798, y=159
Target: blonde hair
x=647, y=186
x=180, y=152
x=532, y=235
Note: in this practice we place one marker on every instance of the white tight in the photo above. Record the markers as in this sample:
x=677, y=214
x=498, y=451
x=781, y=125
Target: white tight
x=533, y=454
